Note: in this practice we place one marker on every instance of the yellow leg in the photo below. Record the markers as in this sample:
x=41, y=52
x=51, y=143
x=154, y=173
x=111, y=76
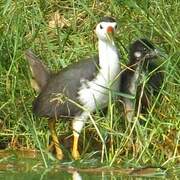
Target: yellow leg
x=51, y=146
x=75, y=152
x=59, y=153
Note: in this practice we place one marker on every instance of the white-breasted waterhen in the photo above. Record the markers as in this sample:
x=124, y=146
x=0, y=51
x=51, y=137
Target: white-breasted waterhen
x=142, y=61
x=77, y=90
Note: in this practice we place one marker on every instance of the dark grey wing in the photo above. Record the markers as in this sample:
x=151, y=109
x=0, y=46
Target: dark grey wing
x=125, y=80
x=157, y=77
x=60, y=95
x=153, y=86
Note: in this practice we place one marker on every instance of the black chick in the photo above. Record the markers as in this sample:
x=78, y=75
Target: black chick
x=142, y=54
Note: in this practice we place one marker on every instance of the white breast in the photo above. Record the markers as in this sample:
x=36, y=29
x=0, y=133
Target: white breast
x=95, y=93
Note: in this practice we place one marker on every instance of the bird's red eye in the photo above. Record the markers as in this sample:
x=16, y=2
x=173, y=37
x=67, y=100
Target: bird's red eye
x=101, y=26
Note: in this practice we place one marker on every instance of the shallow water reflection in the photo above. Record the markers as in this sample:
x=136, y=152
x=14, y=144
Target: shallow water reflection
x=19, y=166
x=56, y=174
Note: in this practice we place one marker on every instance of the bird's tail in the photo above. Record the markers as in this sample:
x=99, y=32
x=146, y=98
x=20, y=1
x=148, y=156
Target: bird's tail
x=40, y=72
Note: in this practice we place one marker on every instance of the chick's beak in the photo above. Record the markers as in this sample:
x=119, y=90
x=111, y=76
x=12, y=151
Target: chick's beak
x=110, y=33
x=153, y=54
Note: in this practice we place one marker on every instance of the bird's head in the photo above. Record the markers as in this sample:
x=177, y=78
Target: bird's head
x=105, y=29
x=142, y=49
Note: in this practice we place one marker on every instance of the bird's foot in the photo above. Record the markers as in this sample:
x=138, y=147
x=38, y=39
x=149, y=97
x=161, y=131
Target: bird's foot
x=59, y=154
x=75, y=154
x=58, y=151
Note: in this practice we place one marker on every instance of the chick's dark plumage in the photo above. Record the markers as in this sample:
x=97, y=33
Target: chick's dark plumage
x=142, y=60
x=142, y=46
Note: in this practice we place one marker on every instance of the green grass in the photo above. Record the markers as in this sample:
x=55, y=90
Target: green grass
x=25, y=24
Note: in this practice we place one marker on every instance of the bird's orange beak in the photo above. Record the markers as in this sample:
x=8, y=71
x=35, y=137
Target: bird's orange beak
x=110, y=33
x=110, y=29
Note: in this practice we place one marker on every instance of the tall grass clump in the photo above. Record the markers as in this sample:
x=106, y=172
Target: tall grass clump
x=32, y=24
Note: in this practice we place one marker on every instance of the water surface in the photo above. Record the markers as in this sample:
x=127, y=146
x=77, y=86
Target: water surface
x=28, y=165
